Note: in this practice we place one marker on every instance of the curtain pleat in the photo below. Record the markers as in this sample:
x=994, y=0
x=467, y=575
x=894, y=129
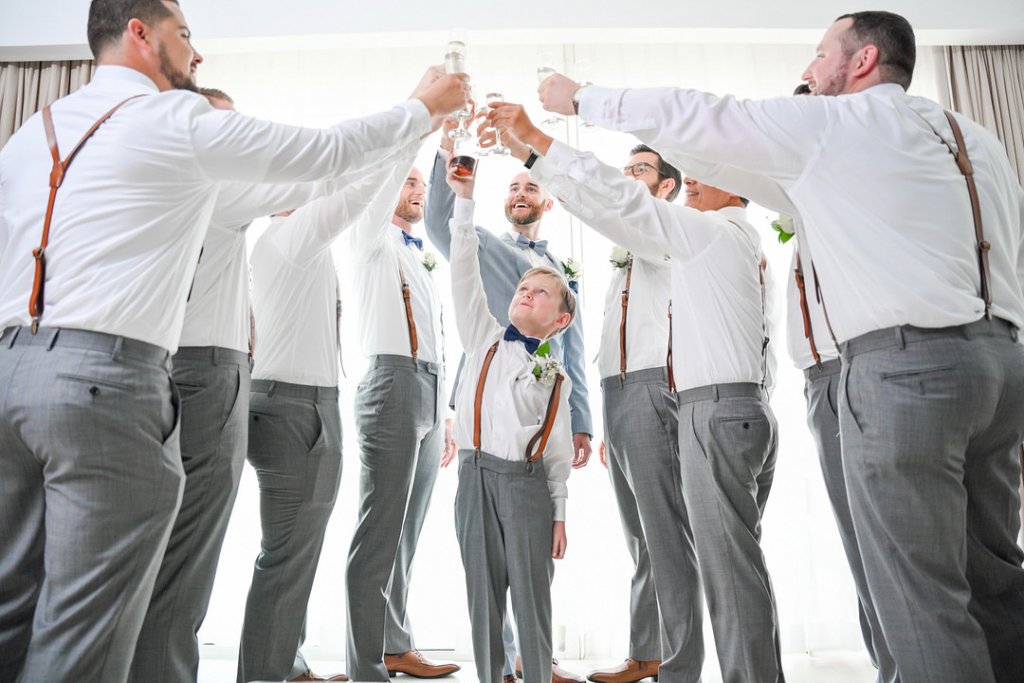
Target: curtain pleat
x=27, y=87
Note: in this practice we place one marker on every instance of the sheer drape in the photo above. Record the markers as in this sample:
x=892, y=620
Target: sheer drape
x=27, y=87
x=986, y=83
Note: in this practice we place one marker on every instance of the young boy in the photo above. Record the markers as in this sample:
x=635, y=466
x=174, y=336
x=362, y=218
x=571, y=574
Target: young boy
x=512, y=416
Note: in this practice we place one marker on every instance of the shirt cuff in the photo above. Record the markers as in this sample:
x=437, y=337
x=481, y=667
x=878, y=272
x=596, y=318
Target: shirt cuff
x=594, y=101
x=462, y=215
x=420, y=115
x=559, y=504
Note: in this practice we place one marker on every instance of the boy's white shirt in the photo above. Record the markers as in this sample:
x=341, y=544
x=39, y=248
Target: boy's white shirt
x=514, y=401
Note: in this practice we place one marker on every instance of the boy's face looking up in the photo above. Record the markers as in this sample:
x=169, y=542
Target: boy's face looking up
x=536, y=309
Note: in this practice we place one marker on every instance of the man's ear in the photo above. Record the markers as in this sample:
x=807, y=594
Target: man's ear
x=666, y=187
x=866, y=61
x=548, y=203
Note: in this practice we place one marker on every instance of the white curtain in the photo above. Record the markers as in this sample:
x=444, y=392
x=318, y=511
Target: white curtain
x=27, y=87
x=986, y=83
x=817, y=605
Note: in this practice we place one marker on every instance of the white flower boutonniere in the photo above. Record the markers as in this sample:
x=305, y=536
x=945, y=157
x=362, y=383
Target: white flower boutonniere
x=572, y=270
x=784, y=226
x=620, y=257
x=429, y=261
x=545, y=368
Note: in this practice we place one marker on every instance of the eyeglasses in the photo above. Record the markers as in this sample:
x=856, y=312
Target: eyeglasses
x=638, y=169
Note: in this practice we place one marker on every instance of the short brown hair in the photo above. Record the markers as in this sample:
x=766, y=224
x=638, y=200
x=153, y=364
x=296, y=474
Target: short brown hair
x=216, y=93
x=892, y=35
x=568, y=297
x=109, y=18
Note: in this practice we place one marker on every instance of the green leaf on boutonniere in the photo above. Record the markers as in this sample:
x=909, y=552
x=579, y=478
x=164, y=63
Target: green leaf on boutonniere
x=784, y=236
x=543, y=351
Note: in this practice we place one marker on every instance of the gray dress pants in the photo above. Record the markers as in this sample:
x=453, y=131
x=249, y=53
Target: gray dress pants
x=503, y=519
x=931, y=423
x=295, y=448
x=90, y=481
x=727, y=448
x=642, y=432
x=820, y=390
x=214, y=387
x=397, y=410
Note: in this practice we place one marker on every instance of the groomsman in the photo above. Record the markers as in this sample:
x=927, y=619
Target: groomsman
x=398, y=410
x=727, y=432
x=925, y=301
x=642, y=446
x=91, y=309
x=212, y=372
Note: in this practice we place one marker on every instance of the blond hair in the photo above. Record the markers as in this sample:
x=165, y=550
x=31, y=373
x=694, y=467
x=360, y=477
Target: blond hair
x=568, y=297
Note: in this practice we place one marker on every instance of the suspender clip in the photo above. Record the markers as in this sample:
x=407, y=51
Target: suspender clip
x=476, y=453
x=529, y=466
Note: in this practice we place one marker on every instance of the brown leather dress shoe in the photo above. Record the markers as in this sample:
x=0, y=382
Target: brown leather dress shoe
x=509, y=678
x=558, y=674
x=310, y=676
x=629, y=671
x=413, y=663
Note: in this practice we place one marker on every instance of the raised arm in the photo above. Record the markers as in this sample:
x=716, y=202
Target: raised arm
x=440, y=206
x=473, y=319
x=370, y=232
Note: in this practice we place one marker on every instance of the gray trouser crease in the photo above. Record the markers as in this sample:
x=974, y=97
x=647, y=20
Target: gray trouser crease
x=931, y=423
x=820, y=390
x=642, y=432
x=397, y=411
x=214, y=387
x=295, y=448
x=90, y=480
x=503, y=520
x=727, y=448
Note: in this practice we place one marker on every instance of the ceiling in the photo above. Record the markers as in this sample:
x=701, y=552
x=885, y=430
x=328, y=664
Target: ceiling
x=55, y=29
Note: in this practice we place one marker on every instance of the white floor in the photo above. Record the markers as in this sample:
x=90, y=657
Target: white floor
x=823, y=667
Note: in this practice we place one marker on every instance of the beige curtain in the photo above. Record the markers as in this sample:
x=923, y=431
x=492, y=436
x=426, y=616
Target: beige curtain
x=27, y=87
x=986, y=83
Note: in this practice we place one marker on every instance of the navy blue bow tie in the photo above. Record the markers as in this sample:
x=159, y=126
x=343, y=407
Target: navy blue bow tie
x=540, y=246
x=513, y=334
x=409, y=239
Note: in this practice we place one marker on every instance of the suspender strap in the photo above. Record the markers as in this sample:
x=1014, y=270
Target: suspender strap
x=668, y=358
x=542, y=435
x=966, y=168
x=798, y=273
x=479, y=399
x=414, y=343
x=544, y=432
x=36, y=301
x=622, y=322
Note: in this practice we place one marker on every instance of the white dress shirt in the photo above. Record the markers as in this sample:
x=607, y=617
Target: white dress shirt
x=378, y=254
x=514, y=402
x=132, y=213
x=885, y=210
x=718, y=313
x=296, y=293
x=796, y=340
x=646, y=317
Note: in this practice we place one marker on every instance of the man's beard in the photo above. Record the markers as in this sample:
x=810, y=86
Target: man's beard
x=532, y=217
x=178, y=80
x=836, y=83
x=409, y=213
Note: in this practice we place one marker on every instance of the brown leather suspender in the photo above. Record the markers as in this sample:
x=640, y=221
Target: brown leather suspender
x=622, y=322
x=798, y=273
x=542, y=435
x=963, y=162
x=36, y=301
x=414, y=344
x=668, y=357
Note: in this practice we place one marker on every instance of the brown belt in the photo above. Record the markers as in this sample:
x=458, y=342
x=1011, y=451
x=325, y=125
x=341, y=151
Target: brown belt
x=36, y=301
x=542, y=435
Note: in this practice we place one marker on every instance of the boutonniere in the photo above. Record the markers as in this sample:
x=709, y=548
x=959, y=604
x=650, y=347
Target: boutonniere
x=572, y=270
x=545, y=368
x=784, y=226
x=429, y=261
x=620, y=258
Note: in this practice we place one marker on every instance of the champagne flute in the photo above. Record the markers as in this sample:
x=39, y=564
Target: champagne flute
x=455, y=63
x=500, y=149
x=553, y=120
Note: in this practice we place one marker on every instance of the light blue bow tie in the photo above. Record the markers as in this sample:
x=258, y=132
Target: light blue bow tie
x=539, y=246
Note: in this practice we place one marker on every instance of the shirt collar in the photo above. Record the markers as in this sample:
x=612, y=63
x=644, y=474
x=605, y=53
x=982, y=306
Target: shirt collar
x=113, y=75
